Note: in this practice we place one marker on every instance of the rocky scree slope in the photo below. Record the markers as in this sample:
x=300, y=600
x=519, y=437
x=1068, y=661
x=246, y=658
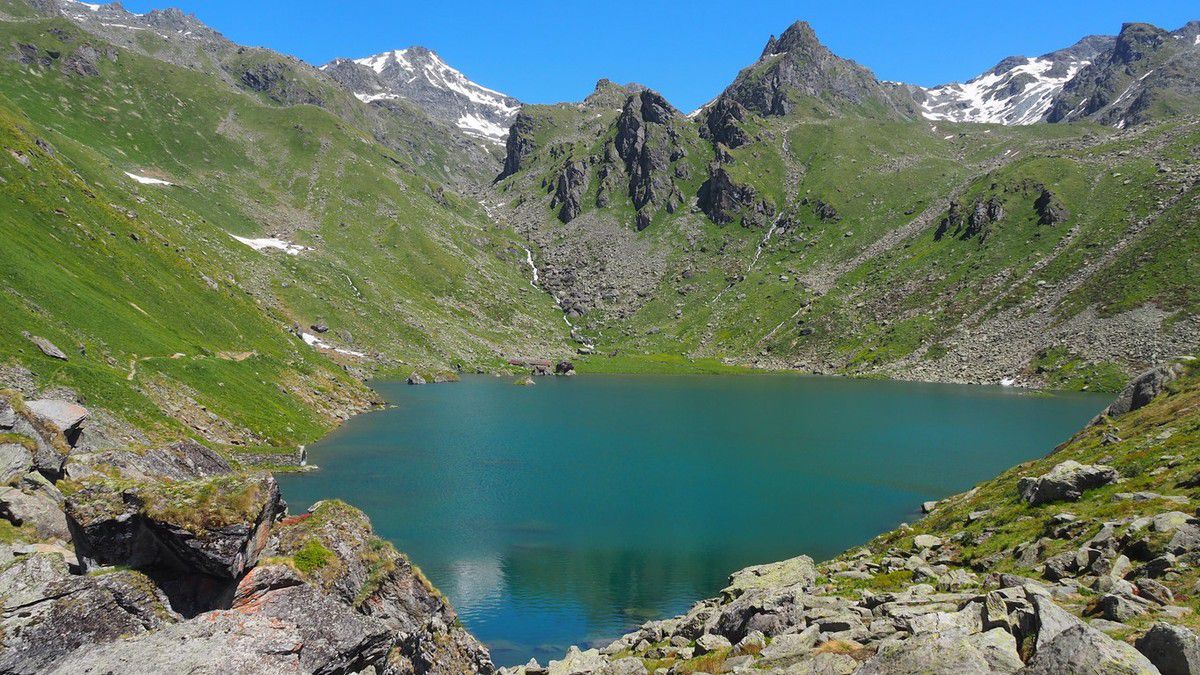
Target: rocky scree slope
x=1083, y=561
x=168, y=558
x=810, y=234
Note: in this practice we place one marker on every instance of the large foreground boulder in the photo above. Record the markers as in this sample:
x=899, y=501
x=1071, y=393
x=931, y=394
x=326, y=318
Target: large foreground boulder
x=66, y=416
x=334, y=548
x=928, y=654
x=1143, y=389
x=216, y=526
x=48, y=613
x=1174, y=650
x=1084, y=650
x=334, y=638
x=211, y=644
x=181, y=461
x=16, y=460
x=35, y=504
x=1065, y=482
x=40, y=435
x=795, y=571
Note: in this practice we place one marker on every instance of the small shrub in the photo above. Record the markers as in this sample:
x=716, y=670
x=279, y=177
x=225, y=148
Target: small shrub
x=312, y=557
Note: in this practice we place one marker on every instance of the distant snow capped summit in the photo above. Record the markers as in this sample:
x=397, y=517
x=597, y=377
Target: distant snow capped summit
x=421, y=76
x=1018, y=90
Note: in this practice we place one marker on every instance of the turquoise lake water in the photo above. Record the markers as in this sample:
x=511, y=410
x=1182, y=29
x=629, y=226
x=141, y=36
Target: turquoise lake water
x=571, y=511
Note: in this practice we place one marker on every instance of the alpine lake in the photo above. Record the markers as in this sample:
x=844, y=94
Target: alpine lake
x=571, y=511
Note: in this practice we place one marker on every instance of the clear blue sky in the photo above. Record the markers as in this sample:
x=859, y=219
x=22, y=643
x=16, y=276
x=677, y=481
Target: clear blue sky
x=544, y=51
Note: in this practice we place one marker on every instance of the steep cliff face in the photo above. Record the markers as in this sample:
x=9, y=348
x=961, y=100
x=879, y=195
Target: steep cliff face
x=649, y=144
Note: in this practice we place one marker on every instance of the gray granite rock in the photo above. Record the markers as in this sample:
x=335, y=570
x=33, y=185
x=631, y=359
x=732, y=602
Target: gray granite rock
x=1174, y=650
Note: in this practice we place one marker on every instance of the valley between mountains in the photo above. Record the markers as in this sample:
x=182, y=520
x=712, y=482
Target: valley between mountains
x=209, y=249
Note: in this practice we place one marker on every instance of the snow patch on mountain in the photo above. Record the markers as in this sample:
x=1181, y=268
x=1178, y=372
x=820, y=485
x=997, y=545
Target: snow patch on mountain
x=272, y=242
x=371, y=98
x=478, y=126
x=1019, y=94
x=316, y=342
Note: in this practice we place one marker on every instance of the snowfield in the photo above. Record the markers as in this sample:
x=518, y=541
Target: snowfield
x=477, y=111
x=984, y=98
x=478, y=126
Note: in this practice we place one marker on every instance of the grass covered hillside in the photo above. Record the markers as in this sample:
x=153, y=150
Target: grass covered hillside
x=125, y=181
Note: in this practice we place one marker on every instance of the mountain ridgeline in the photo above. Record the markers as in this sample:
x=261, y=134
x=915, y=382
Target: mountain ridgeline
x=966, y=232
x=209, y=249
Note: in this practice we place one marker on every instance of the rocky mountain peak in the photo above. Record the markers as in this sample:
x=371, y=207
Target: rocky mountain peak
x=654, y=108
x=797, y=72
x=1136, y=41
x=1018, y=90
x=610, y=94
x=1145, y=71
x=800, y=36
x=419, y=75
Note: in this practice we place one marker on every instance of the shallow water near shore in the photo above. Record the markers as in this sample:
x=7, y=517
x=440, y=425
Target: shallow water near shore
x=570, y=511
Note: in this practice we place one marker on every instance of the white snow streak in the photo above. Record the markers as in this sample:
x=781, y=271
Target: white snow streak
x=314, y=341
x=146, y=180
x=368, y=98
x=529, y=260
x=478, y=126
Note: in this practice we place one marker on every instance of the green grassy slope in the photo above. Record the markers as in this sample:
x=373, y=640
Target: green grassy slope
x=402, y=267
x=1155, y=449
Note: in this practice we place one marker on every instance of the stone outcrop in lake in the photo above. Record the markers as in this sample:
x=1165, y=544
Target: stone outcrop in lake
x=174, y=559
